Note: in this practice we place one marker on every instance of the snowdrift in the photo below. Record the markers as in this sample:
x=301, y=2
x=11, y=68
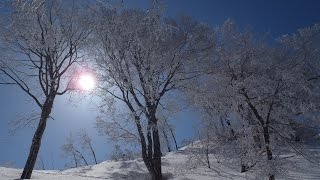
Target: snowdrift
x=179, y=165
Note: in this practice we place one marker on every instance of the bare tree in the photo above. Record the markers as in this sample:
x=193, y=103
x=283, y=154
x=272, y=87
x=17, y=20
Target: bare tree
x=40, y=163
x=143, y=57
x=52, y=161
x=8, y=164
x=116, y=153
x=164, y=133
x=119, y=154
x=117, y=127
x=70, y=149
x=86, y=144
x=206, y=143
x=172, y=133
x=40, y=41
x=167, y=131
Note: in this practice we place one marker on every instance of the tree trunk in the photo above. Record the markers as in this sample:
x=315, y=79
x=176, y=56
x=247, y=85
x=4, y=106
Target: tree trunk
x=172, y=134
x=174, y=139
x=36, y=140
x=42, y=163
x=75, y=159
x=146, y=159
x=94, y=154
x=151, y=152
x=243, y=168
x=207, y=155
x=255, y=130
x=81, y=156
x=267, y=146
x=167, y=139
x=157, y=153
x=265, y=126
x=149, y=140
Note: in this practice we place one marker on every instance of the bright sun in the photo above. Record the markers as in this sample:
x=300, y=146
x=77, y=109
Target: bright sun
x=87, y=82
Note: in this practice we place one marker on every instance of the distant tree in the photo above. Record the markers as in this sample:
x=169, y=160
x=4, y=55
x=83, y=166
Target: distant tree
x=167, y=132
x=40, y=163
x=206, y=143
x=117, y=127
x=166, y=138
x=52, y=161
x=118, y=154
x=70, y=150
x=78, y=147
x=86, y=144
x=142, y=58
x=40, y=41
x=7, y=164
x=172, y=134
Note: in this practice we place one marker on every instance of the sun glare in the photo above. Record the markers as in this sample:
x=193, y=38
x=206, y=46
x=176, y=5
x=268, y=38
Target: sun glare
x=87, y=82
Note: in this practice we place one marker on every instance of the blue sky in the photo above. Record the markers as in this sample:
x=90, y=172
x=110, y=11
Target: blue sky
x=277, y=16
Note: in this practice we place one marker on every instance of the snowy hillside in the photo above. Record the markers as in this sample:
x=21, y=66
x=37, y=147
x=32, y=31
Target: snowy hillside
x=180, y=165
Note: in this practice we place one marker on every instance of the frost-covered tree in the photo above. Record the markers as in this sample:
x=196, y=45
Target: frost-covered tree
x=86, y=143
x=303, y=48
x=69, y=149
x=164, y=138
x=40, y=41
x=40, y=163
x=117, y=127
x=167, y=133
x=143, y=57
x=116, y=153
x=119, y=154
x=263, y=86
x=79, y=147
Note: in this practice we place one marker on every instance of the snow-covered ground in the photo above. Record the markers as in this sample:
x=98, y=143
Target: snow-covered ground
x=180, y=165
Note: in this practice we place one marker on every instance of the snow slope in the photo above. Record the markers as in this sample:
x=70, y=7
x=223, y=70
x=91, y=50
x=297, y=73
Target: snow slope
x=180, y=165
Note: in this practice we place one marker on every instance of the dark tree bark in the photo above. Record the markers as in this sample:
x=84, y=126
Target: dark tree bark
x=43, y=54
x=267, y=146
x=150, y=148
x=80, y=155
x=265, y=125
x=146, y=72
x=93, y=154
x=153, y=154
x=244, y=168
x=42, y=163
x=207, y=156
x=145, y=150
x=166, y=138
x=172, y=134
x=157, y=150
x=75, y=159
x=36, y=140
